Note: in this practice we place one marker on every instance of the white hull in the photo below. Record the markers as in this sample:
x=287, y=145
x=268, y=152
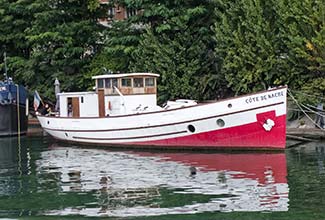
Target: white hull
x=188, y=126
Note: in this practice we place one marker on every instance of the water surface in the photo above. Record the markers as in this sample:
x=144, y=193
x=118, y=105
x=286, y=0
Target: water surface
x=44, y=179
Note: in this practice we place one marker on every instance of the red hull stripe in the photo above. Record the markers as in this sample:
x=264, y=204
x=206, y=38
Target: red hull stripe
x=162, y=125
x=249, y=136
x=244, y=136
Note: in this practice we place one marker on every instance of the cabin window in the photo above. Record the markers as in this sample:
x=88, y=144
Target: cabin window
x=108, y=83
x=191, y=128
x=150, y=82
x=220, y=122
x=114, y=83
x=82, y=99
x=100, y=83
x=126, y=82
x=138, y=82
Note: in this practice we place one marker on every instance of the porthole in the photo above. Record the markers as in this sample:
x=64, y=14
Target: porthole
x=220, y=122
x=229, y=105
x=191, y=128
x=66, y=134
x=48, y=122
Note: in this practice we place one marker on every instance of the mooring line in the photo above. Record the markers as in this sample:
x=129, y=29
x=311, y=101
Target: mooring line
x=303, y=111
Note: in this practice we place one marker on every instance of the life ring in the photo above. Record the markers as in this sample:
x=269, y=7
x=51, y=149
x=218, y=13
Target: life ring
x=268, y=124
x=4, y=102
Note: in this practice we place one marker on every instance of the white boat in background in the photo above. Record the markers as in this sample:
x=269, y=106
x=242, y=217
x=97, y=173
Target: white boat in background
x=123, y=110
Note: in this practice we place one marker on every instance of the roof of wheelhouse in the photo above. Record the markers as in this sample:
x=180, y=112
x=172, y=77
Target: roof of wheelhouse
x=121, y=75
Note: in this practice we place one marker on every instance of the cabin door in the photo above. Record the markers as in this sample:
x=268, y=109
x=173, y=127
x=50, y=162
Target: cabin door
x=73, y=107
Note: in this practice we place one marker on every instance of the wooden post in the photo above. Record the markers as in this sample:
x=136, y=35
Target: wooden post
x=101, y=103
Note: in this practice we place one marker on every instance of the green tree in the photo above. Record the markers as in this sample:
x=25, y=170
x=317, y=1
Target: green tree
x=15, y=18
x=49, y=39
x=250, y=48
x=178, y=44
x=64, y=36
x=268, y=43
x=120, y=40
x=304, y=33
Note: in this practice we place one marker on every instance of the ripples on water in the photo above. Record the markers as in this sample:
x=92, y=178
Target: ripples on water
x=41, y=178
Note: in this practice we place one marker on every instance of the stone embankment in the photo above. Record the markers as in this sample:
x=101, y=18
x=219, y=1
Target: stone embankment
x=302, y=131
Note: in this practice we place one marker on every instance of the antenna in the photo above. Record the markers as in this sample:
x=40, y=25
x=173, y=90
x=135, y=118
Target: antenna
x=5, y=60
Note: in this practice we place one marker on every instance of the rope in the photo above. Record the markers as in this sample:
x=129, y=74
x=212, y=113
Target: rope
x=303, y=111
x=313, y=111
x=18, y=115
x=314, y=107
x=298, y=110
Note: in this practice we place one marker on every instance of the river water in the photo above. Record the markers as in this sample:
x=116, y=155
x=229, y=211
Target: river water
x=42, y=179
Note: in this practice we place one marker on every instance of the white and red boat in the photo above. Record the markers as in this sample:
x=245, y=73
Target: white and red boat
x=123, y=110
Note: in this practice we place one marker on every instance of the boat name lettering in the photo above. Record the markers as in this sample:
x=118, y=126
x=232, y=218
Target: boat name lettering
x=263, y=97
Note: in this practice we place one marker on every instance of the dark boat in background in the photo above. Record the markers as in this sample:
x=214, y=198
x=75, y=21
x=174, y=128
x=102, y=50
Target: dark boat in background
x=13, y=108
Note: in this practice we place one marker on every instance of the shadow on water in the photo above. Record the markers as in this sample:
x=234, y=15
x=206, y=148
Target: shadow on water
x=12, y=165
x=42, y=179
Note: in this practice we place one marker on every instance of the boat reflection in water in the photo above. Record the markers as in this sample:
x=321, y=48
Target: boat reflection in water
x=135, y=183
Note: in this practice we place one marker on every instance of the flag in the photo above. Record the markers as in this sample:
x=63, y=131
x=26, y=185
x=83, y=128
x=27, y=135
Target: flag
x=37, y=100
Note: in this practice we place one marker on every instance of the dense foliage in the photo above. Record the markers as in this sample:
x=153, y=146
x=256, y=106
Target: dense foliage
x=203, y=49
x=267, y=43
x=51, y=39
x=180, y=46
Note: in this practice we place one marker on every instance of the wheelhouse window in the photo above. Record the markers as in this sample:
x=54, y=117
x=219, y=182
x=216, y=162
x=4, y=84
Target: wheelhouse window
x=150, y=82
x=111, y=12
x=100, y=83
x=114, y=83
x=138, y=82
x=130, y=12
x=126, y=82
x=108, y=83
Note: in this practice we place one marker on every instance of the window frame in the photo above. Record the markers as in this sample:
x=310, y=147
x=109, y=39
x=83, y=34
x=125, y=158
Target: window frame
x=147, y=80
x=102, y=83
x=129, y=82
x=109, y=81
x=136, y=83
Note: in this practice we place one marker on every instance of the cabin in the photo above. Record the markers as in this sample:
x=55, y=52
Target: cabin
x=115, y=94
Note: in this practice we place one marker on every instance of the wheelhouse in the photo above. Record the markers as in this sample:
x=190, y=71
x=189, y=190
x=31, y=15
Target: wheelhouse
x=127, y=84
x=115, y=94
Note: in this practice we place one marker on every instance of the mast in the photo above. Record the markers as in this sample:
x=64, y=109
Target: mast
x=5, y=60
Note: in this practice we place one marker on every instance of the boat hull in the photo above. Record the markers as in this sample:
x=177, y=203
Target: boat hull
x=256, y=121
x=10, y=123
